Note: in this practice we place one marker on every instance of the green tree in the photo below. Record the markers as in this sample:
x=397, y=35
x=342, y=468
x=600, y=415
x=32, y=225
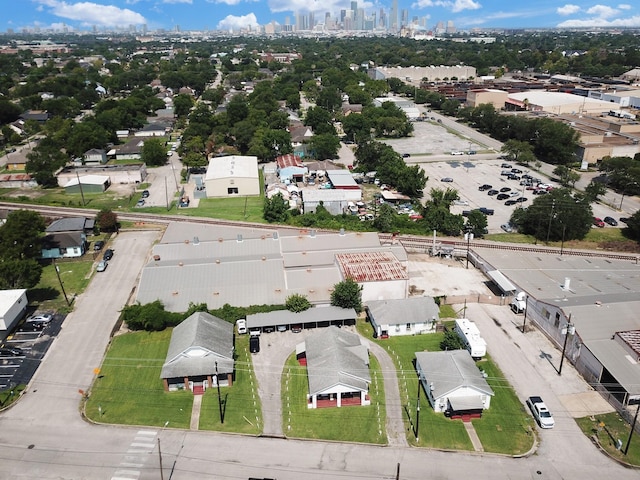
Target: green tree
x=594, y=190
x=276, y=209
x=566, y=175
x=518, y=151
x=476, y=223
x=297, y=303
x=154, y=152
x=324, y=146
x=18, y=273
x=21, y=235
x=385, y=219
x=451, y=341
x=182, y=104
x=632, y=230
x=107, y=220
x=347, y=294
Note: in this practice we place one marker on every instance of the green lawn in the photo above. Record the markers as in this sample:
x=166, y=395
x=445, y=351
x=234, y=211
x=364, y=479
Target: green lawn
x=75, y=276
x=349, y=424
x=504, y=428
x=246, y=209
x=608, y=429
x=241, y=410
x=128, y=389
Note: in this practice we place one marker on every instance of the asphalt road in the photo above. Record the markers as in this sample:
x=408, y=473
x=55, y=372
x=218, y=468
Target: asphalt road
x=43, y=436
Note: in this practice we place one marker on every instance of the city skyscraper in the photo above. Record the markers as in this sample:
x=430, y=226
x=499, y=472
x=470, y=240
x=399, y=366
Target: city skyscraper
x=393, y=17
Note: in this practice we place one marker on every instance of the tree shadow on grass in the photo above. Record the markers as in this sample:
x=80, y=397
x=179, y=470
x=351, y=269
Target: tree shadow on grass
x=42, y=294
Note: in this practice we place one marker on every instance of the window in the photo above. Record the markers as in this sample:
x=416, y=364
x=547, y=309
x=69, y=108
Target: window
x=232, y=190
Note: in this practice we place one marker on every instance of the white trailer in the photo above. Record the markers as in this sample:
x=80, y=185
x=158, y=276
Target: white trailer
x=470, y=335
x=519, y=303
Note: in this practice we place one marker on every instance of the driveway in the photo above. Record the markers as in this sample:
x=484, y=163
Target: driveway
x=268, y=364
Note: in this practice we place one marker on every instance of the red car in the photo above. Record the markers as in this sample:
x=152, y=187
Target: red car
x=598, y=222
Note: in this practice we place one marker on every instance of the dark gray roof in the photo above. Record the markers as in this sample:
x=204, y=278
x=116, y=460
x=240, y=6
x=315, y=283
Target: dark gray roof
x=71, y=224
x=197, y=344
x=336, y=357
x=62, y=240
x=448, y=371
x=399, y=312
x=313, y=315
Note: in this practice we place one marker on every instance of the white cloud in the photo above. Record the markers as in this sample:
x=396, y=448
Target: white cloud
x=602, y=11
x=305, y=6
x=235, y=23
x=228, y=2
x=178, y=1
x=455, y=6
x=601, y=22
x=568, y=9
x=89, y=13
x=624, y=6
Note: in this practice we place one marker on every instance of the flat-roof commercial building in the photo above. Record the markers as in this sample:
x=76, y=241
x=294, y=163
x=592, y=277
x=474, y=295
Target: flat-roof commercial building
x=232, y=175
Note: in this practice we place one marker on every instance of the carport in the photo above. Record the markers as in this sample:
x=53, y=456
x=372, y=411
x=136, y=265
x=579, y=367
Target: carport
x=313, y=318
x=502, y=282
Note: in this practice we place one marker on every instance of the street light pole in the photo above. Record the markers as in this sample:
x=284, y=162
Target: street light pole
x=219, y=397
x=569, y=330
x=526, y=305
x=53, y=260
x=468, y=236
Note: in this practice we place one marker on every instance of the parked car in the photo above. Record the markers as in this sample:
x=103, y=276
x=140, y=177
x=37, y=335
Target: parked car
x=471, y=152
x=611, y=221
x=254, y=344
x=505, y=173
x=505, y=189
x=484, y=187
x=521, y=199
x=102, y=266
x=624, y=219
x=296, y=328
x=516, y=170
x=447, y=180
x=508, y=203
x=145, y=194
x=492, y=192
x=108, y=254
x=140, y=203
x=456, y=152
x=505, y=165
x=406, y=155
x=513, y=176
x=241, y=325
x=540, y=412
x=502, y=196
x=97, y=246
x=41, y=317
x=486, y=211
x=33, y=326
x=598, y=222
x=506, y=227
x=514, y=194
x=11, y=352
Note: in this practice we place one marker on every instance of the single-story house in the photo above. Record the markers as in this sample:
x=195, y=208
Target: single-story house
x=335, y=201
x=117, y=174
x=337, y=368
x=408, y=316
x=159, y=129
x=132, y=150
x=200, y=354
x=453, y=383
x=232, y=175
x=64, y=245
x=72, y=224
x=13, y=304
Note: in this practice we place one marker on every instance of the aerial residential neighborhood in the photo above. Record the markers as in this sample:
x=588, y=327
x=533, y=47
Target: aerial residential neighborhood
x=248, y=248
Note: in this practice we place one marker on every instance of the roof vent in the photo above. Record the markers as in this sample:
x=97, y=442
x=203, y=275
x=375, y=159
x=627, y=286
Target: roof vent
x=217, y=260
x=567, y=283
x=239, y=237
x=180, y=264
x=275, y=235
x=220, y=239
x=196, y=241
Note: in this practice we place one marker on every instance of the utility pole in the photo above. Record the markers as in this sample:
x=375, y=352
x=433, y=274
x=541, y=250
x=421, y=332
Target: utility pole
x=418, y=412
x=53, y=260
x=633, y=425
x=569, y=330
x=468, y=236
x=526, y=305
x=219, y=397
x=80, y=185
x=160, y=457
x=553, y=206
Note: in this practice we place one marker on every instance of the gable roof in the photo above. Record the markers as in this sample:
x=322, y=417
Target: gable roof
x=71, y=224
x=451, y=370
x=289, y=160
x=402, y=311
x=336, y=357
x=62, y=240
x=197, y=344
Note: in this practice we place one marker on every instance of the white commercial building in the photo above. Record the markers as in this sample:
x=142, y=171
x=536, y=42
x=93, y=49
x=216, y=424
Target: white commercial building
x=232, y=175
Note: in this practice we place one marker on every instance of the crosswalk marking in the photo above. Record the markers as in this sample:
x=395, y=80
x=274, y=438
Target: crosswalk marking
x=137, y=454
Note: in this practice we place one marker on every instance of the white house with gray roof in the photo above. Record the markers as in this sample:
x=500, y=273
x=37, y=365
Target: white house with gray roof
x=200, y=354
x=453, y=382
x=337, y=368
x=408, y=316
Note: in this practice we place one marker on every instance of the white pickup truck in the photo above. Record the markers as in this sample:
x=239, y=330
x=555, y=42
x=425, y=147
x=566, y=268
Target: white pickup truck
x=540, y=412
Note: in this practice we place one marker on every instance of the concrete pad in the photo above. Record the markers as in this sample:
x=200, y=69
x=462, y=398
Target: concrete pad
x=585, y=404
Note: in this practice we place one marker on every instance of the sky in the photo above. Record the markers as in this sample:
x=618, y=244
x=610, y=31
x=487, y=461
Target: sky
x=233, y=15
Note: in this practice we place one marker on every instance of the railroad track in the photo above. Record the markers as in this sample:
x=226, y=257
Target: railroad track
x=408, y=241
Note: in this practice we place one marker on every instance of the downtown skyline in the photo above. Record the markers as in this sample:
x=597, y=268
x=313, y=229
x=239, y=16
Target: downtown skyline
x=237, y=16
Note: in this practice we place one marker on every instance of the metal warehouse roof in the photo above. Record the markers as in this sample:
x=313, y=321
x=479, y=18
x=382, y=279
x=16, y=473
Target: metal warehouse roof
x=218, y=250
x=233, y=166
x=178, y=232
x=336, y=242
x=403, y=311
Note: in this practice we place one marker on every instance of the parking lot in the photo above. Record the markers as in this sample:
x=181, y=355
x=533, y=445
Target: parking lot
x=29, y=346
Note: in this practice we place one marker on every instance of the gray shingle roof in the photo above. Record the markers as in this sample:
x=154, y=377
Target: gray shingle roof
x=451, y=370
x=313, y=315
x=403, y=311
x=197, y=344
x=336, y=357
x=71, y=224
